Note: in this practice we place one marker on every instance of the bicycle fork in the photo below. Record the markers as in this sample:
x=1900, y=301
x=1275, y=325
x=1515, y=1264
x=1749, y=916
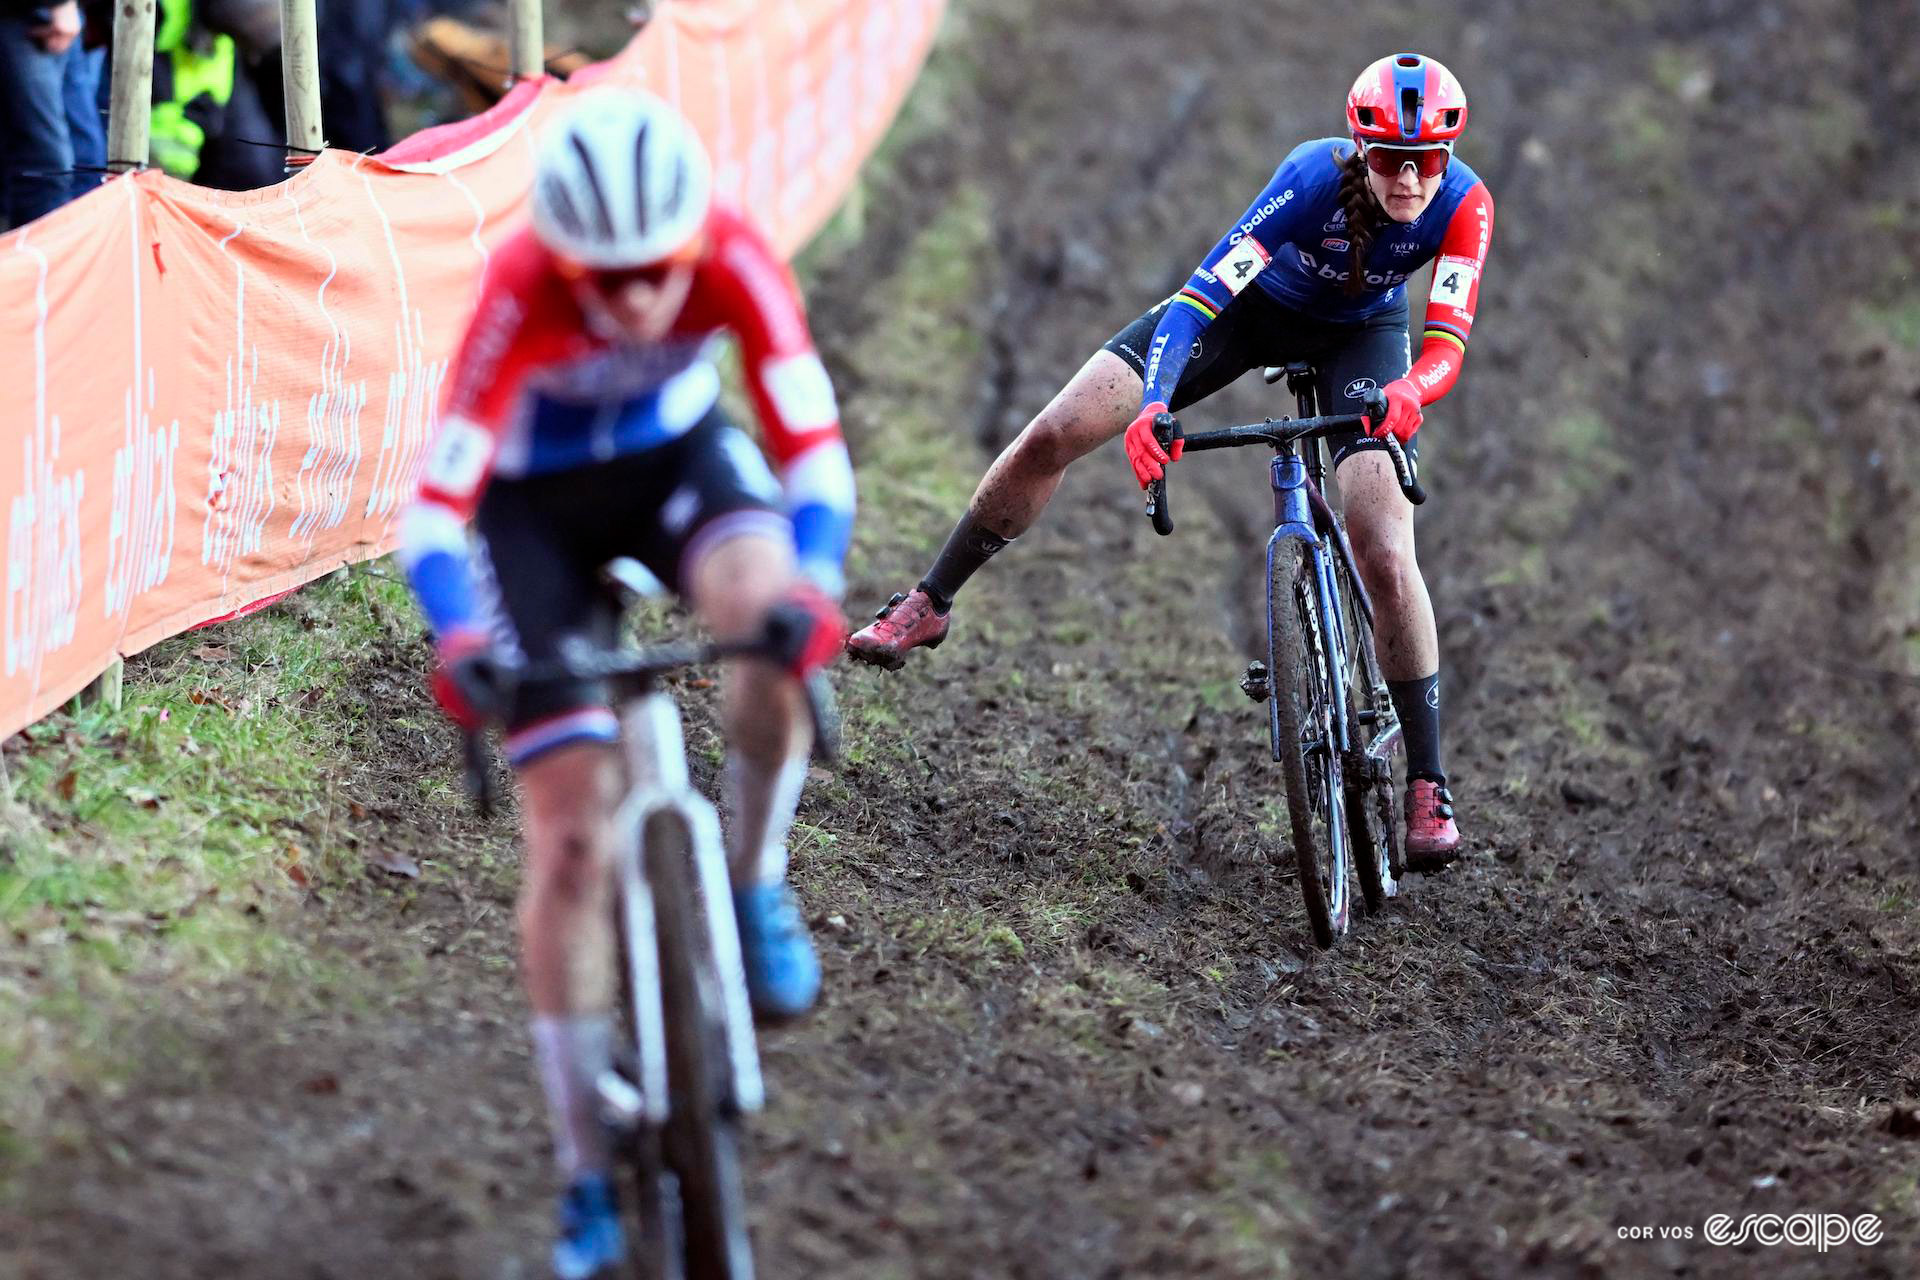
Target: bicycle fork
x=1294, y=523
x=660, y=787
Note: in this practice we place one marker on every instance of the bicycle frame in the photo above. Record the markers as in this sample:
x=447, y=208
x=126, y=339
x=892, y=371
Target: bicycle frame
x=658, y=785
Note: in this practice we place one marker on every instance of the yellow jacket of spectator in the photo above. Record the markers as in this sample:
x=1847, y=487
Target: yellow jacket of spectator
x=193, y=71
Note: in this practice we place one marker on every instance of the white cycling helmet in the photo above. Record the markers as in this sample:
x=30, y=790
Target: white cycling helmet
x=620, y=181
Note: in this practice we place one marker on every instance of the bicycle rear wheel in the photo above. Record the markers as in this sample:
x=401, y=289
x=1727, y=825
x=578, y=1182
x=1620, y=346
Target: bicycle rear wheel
x=1301, y=723
x=702, y=1143
x=1368, y=770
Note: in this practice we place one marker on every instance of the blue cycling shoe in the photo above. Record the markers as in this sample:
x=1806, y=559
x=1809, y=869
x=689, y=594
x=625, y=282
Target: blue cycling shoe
x=783, y=973
x=591, y=1245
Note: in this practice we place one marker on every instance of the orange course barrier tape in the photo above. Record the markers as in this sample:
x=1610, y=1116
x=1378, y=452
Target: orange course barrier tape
x=216, y=397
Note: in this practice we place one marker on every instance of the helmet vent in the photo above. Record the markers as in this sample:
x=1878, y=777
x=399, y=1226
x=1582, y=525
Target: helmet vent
x=1450, y=117
x=640, y=179
x=1407, y=60
x=592, y=174
x=1409, y=109
x=1366, y=116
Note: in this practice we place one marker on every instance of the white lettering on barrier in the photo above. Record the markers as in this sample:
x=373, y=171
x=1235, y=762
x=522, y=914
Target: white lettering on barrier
x=324, y=484
x=240, y=470
x=43, y=523
x=413, y=394
x=145, y=504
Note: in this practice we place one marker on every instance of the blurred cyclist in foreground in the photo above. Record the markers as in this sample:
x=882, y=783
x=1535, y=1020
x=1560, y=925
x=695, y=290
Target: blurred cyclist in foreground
x=582, y=426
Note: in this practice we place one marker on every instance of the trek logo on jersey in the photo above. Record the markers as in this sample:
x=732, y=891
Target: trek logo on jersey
x=1336, y=244
x=1379, y=279
x=1237, y=267
x=1153, y=358
x=1261, y=214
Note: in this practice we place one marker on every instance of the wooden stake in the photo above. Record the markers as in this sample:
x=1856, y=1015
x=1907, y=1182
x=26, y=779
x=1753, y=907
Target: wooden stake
x=130, y=112
x=526, y=54
x=107, y=687
x=300, y=68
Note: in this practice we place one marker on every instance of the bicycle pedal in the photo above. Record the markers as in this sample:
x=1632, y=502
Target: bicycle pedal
x=1255, y=683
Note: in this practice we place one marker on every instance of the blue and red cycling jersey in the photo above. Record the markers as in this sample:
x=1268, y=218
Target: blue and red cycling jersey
x=536, y=388
x=1292, y=244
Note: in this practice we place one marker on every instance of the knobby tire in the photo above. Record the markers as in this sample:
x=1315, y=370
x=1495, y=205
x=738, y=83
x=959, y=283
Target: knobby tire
x=1370, y=800
x=1300, y=693
x=702, y=1136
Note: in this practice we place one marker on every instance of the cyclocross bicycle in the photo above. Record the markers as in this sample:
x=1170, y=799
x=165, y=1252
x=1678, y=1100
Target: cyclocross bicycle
x=1330, y=721
x=686, y=1068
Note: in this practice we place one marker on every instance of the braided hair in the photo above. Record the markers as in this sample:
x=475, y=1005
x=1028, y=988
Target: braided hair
x=1363, y=216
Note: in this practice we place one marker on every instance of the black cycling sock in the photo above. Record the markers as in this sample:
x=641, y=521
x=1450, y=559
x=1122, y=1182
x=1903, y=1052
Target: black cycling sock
x=969, y=546
x=1417, y=702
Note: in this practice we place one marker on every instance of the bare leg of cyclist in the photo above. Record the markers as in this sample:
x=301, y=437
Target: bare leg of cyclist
x=1093, y=408
x=768, y=737
x=566, y=939
x=1380, y=526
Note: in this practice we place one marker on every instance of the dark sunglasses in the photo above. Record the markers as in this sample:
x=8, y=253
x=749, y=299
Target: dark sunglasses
x=1428, y=162
x=609, y=283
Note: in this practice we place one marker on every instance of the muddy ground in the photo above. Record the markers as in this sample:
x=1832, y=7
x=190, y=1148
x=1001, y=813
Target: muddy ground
x=1075, y=1024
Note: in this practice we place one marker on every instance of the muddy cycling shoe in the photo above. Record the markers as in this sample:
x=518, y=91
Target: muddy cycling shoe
x=1432, y=838
x=907, y=622
x=591, y=1245
x=783, y=973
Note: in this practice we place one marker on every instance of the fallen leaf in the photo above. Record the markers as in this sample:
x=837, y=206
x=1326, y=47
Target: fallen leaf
x=321, y=1085
x=291, y=864
x=67, y=783
x=700, y=682
x=213, y=653
x=398, y=864
x=144, y=798
x=818, y=775
x=356, y=808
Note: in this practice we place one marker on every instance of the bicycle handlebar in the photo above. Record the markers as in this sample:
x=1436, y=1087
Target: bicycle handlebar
x=634, y=672
x=1274, y=432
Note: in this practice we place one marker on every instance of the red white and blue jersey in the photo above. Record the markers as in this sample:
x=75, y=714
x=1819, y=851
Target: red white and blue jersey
x=536, y=388
x=1292, y=244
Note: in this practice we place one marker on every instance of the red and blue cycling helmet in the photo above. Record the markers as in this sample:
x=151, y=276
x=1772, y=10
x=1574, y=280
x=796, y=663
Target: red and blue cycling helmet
x=1406, y=100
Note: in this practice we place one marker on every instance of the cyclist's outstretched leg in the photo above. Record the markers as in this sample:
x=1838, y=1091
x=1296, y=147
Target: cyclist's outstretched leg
x=1380, y=526
x=733, y=585
x=566, y=941
x=1090, y=410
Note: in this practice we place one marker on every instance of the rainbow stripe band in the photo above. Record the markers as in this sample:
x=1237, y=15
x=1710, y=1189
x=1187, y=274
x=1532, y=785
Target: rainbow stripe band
x=1199, y=302
x=1435, y=331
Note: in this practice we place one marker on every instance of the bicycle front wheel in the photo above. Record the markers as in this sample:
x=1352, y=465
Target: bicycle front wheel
x=702, y=1136
x=1302, y=723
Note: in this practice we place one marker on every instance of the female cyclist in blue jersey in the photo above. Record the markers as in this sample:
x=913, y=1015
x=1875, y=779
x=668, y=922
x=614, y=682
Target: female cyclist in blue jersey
x=1315, y=269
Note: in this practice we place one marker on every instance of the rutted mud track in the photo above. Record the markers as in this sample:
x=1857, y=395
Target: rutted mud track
x=1075, y=1025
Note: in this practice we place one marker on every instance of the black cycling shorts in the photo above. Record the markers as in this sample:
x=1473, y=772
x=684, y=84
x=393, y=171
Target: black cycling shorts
x=1255, y=331
x=544, y=540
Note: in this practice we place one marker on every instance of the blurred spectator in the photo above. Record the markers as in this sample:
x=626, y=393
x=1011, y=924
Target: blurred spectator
x=353, y=55
x=38, y=45
x=209, y=123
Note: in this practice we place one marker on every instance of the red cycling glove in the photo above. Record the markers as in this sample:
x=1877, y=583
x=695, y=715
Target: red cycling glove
x=1403, y=411
x=466, y=679
x=1149, y=460
x=807, y=628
